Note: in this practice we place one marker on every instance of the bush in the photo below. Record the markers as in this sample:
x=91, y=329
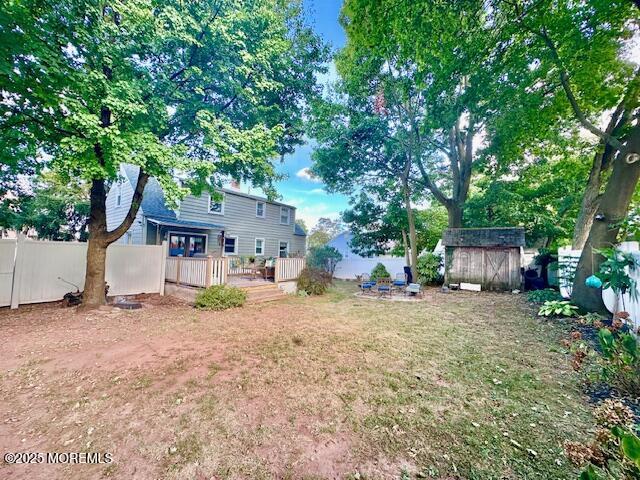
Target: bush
x=314, y=281
x=428, y=269
x=324, y=257
x=379, y=271
x=620, y=361
x=557, y=308
x=220, y=297
x=545, y=295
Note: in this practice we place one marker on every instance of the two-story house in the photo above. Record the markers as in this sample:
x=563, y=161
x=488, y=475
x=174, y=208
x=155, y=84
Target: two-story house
x=238, y=224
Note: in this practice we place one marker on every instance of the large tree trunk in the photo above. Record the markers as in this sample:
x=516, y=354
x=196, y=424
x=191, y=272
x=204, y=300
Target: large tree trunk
x=613, y=207
x=588, y=208
x=94, y=284
x=413, y=243
x=99, y=238
x=405, y=244
x=454, y=212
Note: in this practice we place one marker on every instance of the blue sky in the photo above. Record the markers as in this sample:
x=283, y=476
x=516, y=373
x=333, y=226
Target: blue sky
x=306, y=194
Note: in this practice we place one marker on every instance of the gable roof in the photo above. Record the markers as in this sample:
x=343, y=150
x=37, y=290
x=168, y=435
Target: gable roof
x=153, y=203
x=298, y=230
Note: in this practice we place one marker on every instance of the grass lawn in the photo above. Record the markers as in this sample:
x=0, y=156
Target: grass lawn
x=463, y=385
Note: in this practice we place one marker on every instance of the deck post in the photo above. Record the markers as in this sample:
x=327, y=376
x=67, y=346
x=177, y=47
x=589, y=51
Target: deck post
x=225, y=270
x=163, y=265
x=209, y=274
x=276, y=276
x=178, y=267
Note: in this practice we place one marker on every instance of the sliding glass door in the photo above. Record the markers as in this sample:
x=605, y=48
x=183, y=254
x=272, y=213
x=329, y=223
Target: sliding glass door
x=187, y=244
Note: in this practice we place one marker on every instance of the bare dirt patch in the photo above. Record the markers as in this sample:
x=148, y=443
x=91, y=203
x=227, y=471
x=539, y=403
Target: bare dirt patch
x=330, y=387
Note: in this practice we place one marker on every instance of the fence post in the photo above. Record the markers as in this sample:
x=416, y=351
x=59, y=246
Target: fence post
x=178, y=268
x=163, y=265
x=208, y=277
x=17, y=271
x=225, y=270
x=276, y=270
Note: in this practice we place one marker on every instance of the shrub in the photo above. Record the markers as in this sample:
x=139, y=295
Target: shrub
x=556, y=307
x=314, y=281
x=324, y=257
x=220, y=297
x=379, y=271
x=428, y=268
x=546, y=295
x=620, y=361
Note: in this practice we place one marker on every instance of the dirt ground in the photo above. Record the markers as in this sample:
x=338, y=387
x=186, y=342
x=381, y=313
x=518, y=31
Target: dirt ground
x=463, y=385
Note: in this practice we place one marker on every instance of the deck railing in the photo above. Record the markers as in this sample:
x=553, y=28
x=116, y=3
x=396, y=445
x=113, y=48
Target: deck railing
x=288, y=268
x=196, y=272
x=204, y=272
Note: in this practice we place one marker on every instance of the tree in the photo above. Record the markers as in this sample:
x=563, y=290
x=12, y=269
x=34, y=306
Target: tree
x=323, y=231
x=360, y=148
x=324, y=257
x=195, y=90
x=55, y=209
x=380, y=228
x=442, y=54
x=542, y=195
x=578, y=49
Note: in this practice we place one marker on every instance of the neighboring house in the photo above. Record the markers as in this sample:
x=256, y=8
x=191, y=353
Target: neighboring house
x=238, y=225
x=353, y=264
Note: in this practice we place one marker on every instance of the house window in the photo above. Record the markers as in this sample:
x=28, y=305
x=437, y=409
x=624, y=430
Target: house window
x=259, y=246
x=119, y=193
x=216, y=207
x=231, y=245
x=283, y=251
x=260, y=209
x=285, y=215
x=187, y=244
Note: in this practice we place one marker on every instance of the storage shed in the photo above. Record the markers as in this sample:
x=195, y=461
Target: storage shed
x=490, y=257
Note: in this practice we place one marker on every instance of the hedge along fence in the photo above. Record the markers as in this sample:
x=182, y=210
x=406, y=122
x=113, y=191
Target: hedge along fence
x=34, y=271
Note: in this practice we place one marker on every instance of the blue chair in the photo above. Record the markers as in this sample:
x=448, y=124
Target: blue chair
x=400, y=281
x=384, y=287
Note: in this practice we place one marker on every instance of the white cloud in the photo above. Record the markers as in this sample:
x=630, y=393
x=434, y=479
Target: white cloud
x=305, y=173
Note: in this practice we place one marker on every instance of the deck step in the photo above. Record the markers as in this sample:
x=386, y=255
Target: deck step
x=260, y=288
x=266, y=296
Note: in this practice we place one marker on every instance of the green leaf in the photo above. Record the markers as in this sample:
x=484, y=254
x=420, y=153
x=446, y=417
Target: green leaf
x=630, y=445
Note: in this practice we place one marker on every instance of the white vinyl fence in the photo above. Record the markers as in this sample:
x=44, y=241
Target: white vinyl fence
x=567, y=261
x=33, y=271
x=348, y=269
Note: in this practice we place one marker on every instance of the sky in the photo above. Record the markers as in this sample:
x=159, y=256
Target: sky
x=299, y=189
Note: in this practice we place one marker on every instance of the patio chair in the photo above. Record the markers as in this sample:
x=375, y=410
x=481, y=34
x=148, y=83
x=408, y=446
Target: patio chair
x=383, y=286
x=414, y=289
x=400, y=282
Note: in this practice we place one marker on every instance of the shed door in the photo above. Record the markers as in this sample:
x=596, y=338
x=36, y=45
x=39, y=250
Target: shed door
x=496, y=269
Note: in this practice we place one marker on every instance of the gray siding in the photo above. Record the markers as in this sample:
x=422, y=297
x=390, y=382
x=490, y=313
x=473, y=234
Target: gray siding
x=239, y=219
x=115, y=213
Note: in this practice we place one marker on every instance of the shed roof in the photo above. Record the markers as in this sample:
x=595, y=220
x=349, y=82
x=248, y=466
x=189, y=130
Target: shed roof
x=483, y=237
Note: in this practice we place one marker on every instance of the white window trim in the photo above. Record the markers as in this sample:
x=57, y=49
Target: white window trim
x=255, y=247
x=235, y=250
x=199, y=234
x=209, y=205
x=288, y=216
x=288, y=246
x=264, y=209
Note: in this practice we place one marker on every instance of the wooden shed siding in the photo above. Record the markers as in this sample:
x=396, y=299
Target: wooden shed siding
x=495, y=268
x=240, y=220
x=484, y=237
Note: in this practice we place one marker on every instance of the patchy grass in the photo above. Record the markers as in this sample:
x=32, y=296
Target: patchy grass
x=462, y=385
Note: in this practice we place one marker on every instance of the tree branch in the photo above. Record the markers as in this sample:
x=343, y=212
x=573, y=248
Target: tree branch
x=136, y=201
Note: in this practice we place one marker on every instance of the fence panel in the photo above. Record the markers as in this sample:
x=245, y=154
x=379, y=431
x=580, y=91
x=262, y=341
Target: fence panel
x=7, y=261
x=45, y=271
x=288, y=268
x=134, y=269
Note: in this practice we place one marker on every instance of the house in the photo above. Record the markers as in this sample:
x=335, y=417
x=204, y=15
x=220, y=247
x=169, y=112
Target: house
x=238, y=224
x=353, y=264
